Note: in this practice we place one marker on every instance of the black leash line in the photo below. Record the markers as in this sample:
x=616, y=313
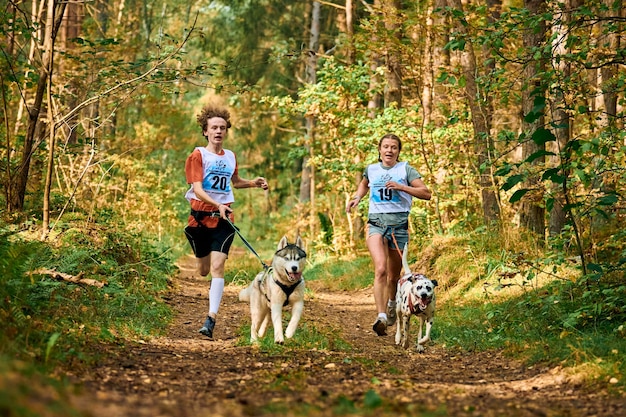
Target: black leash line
x=247, y=243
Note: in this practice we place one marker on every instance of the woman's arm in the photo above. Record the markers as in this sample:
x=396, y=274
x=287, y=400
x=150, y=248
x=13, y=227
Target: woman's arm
x=361, y=192
x=417, y=188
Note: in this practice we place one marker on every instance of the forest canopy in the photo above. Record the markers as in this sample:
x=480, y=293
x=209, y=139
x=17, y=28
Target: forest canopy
x=511, y=111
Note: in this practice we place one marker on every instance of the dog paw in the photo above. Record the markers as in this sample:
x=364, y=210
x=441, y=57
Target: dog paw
x=420, y=348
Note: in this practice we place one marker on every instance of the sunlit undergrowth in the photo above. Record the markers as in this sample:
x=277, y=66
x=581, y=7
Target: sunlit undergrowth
x=341, y=275
x=528, y=303
x=47, y=319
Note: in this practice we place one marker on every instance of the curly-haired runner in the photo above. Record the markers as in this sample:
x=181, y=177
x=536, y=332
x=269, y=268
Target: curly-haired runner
x=211, y=170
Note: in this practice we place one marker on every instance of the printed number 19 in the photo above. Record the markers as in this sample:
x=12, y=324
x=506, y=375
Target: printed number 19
x=385, y=194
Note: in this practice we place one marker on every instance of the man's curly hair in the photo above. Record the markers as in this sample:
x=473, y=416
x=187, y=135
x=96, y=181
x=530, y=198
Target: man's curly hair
x=211, y=111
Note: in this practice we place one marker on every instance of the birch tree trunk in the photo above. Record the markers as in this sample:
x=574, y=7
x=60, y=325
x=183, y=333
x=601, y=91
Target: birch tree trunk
x=49, y=63
x=436, y=58
x=356, y=225
x=608, y=98
x=307, y=184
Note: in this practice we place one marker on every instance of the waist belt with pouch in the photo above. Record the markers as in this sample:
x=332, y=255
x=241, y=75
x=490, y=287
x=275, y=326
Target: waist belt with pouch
x=198, y=215
x=401, y=226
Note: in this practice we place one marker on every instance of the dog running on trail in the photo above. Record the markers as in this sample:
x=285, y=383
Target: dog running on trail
x=276, y=287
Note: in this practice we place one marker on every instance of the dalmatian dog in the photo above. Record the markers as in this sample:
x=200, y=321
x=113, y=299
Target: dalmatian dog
x=415, y=296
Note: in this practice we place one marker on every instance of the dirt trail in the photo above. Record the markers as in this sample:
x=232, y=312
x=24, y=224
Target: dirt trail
x=183, y=374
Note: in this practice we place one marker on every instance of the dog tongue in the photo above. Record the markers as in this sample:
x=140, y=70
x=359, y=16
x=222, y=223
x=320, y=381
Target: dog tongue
x=295, y=275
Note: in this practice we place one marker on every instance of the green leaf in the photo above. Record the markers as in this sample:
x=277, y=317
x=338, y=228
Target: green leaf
x=504, y=170
x=455, y=44
x=537, y=155
x=51, y=342
x=532, y=116
x=601, y=213
x=517, y=195
x=553, y=175
x=542, y=136
x=372, y=399
x=539, y=104
x=607, y=200
x=582, y=175
x=512, y=181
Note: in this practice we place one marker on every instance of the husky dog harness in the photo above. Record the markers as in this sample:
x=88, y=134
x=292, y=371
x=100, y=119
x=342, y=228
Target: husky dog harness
x=287, y=289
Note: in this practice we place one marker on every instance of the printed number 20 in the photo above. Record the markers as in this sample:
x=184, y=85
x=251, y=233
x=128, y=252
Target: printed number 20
x=385, y=194
x=219, y=183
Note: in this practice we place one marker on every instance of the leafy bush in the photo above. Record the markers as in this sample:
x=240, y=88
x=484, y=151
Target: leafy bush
x=49, y=319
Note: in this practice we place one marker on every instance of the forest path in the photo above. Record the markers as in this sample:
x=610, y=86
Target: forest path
x=184, y=374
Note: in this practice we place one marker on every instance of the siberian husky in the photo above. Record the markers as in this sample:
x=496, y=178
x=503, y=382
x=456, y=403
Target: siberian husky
x=277, y=286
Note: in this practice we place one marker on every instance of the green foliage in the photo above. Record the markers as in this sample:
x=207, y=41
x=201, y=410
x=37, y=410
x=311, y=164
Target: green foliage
x=339, y=274
x=582, y=173
x=531, y=307
x=51, y=320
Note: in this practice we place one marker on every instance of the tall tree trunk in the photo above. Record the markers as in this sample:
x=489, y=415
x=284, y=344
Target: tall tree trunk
x=357, y=224
x=20, y=180
x=49, y=63
x=438, y=38
x=561, y=119
x=350, y=53
x=436, y=58
x=307, y=184
x=482, y=114
x=393, y=90
x=608, y=73
x=71, y=29
x=532, y=212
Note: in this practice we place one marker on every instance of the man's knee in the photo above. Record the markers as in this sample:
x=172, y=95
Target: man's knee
x=204, y=266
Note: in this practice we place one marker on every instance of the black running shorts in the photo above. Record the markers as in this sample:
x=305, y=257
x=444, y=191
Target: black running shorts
x=204, y=240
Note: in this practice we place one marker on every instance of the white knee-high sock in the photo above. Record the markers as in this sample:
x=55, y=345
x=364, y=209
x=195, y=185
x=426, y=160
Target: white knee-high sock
x=215, y=295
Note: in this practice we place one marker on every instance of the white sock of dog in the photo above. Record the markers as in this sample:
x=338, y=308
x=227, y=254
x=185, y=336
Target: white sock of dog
x=215, y=295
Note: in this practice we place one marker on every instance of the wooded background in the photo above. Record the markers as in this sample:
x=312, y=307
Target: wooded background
x=512, y=112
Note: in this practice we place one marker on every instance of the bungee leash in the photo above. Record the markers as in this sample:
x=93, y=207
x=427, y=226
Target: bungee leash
x=243, y=239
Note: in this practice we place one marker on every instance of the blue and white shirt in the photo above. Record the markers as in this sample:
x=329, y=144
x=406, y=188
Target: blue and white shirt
x=218, y=171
